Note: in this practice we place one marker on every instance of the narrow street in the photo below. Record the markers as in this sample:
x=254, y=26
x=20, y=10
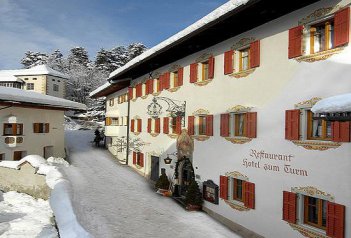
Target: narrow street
x=111, y=200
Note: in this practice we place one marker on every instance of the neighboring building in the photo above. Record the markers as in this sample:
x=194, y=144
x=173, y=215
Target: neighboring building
x=241, y=82
x=40, y=78
x=32, y=123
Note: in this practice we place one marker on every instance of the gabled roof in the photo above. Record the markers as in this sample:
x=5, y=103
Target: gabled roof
x=40, y=70
x=19, y=97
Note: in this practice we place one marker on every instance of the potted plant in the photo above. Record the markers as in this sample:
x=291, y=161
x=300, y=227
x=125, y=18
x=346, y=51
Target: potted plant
x=162, y=185
x=193, y=197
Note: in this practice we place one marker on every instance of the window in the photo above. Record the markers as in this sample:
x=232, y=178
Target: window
x=206, y=73
x=30, y=86
x=53, y=80
x=302, y=124
x=41, y=127
x=58, y=81
x=55, y=87
x=138, y=159
x=13, y=129
x=315, y=212
x=200, y=125
x=135, y=125
x=322, y=36
x=318, y=129
x=114, y=121
x=153, y=125
x=235, y=189
x=311, y=211
x=175, y=79
x=239, y=125
x=164, y=81
x=34, y=78
x=204, y=66
x=244, y=59
x=123, y=98
x=111, y=102
x=25, y=78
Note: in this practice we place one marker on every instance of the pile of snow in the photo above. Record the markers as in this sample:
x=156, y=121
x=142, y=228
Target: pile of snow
x=23, y=216
x=339, y=103
x=35, y=160
x=57, y=161
x=70, y=124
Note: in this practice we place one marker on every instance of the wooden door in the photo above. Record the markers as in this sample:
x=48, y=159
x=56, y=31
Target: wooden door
x=155, y=167
x=17, y=155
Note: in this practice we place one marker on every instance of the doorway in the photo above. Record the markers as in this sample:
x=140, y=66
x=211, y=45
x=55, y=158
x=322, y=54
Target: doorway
x=155, y=168
x=48, y=151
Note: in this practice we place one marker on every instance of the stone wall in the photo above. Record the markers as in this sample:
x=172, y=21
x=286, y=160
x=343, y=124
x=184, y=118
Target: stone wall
x=24, y=180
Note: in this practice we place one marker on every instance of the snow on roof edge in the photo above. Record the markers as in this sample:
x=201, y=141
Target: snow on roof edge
x=99, y=89
x=338, y=103
x=220, y=11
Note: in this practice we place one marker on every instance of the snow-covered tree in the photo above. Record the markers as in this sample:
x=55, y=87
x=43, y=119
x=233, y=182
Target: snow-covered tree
x=56, y=61
x=32, y=59
x=78, y=56
x=135, y=49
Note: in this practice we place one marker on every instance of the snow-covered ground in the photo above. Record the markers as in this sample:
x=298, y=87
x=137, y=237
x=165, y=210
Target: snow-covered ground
x=111, y=200
x=22, y=216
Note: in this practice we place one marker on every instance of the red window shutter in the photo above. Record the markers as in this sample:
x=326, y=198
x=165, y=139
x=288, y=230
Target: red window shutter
x=289, y=207
x=36, y=127
x=211, y=67
x=157, y=125
x=341, y=131
x=223, y=186
x=158, y=84
x=225, y=125
x=139, y=125
x=141, y=160
x=130, y=93
x=132, y=125
x=228, y=62
x=178, y=125
x=147, y=85
x=335, y=220
x=134, y=157
x=292, y=124
x=251, y=124
x=138, y=90
x=47, y=127
x=341, y=27
x=193, y=73
x=166, y=80
x=255, y=54
x=180, y=76
x=295, y=42
x=151, y=86
x=161, y=82
x=209, y=125
x=166, y=125
x=249, y=195
x=191, y=120
x=149, y=121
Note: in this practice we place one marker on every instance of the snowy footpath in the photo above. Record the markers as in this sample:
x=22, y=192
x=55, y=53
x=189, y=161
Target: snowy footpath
x=111, y=200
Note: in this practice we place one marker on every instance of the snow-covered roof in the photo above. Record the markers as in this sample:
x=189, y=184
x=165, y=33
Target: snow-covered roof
x=339, y=103
x=99, y=89
x=19, y=96
x=40, y=70
x=9, y=76
x=214, y=15
x=35, y=160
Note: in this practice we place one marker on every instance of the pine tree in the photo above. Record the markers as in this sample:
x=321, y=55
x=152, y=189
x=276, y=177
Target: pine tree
x=78, y=57
x=135, y=49
x=193, y=196
x=32, y=59
x=56, y=61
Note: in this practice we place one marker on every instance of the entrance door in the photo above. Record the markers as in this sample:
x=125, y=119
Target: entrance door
x=187, y=176
x=155, y=167
x=18, y=155
x=48, y=151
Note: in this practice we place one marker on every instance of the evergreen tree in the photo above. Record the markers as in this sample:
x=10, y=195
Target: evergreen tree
x=56, y=61
x=193, y=196
x=78, y=57
x=32, y=59
x=135, y=49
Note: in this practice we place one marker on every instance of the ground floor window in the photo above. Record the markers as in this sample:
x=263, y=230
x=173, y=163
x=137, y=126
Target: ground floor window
x=138, y=159
x=315, y=212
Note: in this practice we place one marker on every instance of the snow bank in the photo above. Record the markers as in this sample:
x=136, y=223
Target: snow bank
x=35, y=160
x=57, y=161
x=23, y=216
x=339, y=103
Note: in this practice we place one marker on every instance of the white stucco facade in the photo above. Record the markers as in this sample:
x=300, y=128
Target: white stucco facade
x=273, y=163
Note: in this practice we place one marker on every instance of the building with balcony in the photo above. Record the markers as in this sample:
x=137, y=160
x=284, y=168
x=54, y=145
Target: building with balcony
x=32, y=123
x=229, y=100
x=40, y=78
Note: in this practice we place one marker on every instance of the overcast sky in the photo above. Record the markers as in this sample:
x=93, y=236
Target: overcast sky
x=46, y=25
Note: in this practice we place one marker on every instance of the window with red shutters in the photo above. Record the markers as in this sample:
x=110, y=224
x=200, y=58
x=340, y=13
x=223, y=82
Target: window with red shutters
x=295, y=42
x=341, y=131
x=335, y=220
x=292, y=124
x=166, y=80
x=191, y=120
x=249, y=195
x=130, y=93
x=225, y=125
x=139, y=90
x=341, y=27
x=211, y=67
x=228, y=62
x=289, y=207
x=157, y=125
x=161, y=82
x=166, y=125
x=223, y=187
x=251, y=124
x=149, y=125
x=209, y=125
x=180, y=76
x=255, y=54
x=140, y=159
x=178, y=125
x=134, y=157
x=193, y=72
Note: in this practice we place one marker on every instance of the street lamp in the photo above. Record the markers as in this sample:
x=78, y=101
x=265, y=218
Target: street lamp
x=168, y=160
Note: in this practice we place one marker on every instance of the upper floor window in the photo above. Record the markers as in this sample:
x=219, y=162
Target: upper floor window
x=153, y=125
x=173, y=123
x=138, y=159
x=244, y=59
x=30, y=86
x=25, y=78
x=239, y=124
x=136, y=125
x=56, y=87
x=200, y=125
x=41, y=127
x=34, y=78
x=177, y=78
x=13, y=129
x=206, y=73
x=111, y=102
x=123, y=98
x=318, y=129
x=320, y=36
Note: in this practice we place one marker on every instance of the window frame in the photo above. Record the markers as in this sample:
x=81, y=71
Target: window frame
x=309, y=128
x=241, y=58
x=205, y=67
x=319, y=205
x=201, y=125
x=329, y=38
x=111, y=102
x=55, y=87
x=15, y=127
x=30, y=86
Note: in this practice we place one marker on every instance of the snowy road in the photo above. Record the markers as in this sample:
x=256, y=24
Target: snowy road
x=113, y=201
